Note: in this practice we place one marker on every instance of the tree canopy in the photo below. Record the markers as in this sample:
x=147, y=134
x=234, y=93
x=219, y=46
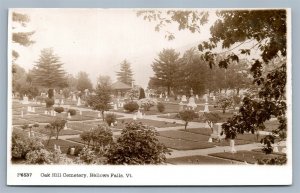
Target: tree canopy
x=48, y=71
x=125, y=74
x=83, y=82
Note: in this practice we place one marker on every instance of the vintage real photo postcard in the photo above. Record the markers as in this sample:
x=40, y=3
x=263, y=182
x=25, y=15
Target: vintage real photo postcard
x=123, y=97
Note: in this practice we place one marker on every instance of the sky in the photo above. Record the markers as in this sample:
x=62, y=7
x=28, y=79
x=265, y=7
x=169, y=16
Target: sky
x=98, y=40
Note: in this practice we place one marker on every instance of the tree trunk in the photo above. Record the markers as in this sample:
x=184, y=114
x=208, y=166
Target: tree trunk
x=103, y=118
x=224, y=111
x=186, y=123
x=238, y=91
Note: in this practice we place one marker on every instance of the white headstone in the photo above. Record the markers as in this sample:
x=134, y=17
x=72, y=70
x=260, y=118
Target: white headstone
x=80, y=112
x=69, y=116
x=54, y=113
x=25, y=100
x=46, y=113
x=29, y=108
x=160, y=96
x=74, y=97
x=210, y=140
x=197, y=97
x=183, y=98
x=33, y=109
x=214, y=98
x=275, y=149
x=139, y=115
x=72, y=150
x=206, y=109
x=22, y=114
x=192, y=103
x=65, y=127
x=115, y=107
x=283, y=150
x=134, y=117
x=78, y=101
x=62, y=101
x=99, y=115
x=232, y=146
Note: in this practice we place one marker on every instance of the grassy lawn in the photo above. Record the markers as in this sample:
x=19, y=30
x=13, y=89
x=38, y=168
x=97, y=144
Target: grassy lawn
x=20, y=121
x=248, y=156
x=39, y=118
x=224, y=117
x=64, y=145
x=159, y=124
x=197, y=159
x=81, y=126
x=42, y=130
x=180, y=144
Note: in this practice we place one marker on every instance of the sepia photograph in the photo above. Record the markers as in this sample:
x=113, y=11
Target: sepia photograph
x=93, y=93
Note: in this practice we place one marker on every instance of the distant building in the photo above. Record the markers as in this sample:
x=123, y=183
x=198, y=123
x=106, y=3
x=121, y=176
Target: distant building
x=120, y=88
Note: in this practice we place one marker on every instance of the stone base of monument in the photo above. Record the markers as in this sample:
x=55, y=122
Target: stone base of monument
x=217, y=130
x=206, y=109
x=232, y=146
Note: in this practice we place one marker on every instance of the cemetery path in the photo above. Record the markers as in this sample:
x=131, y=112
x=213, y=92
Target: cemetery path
x=219, y=149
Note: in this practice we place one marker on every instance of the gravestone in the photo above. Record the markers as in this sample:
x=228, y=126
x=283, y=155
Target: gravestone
x=72, y=150
x=65, y=127
x=69, y=116
x=115, y=107
x=33, y=109
x=160, y=96
x=62, y=101
x=74, y=97
x=139, y=115
x=79, y=102
x=197, y=97
x=206, y=109
x=22, y=114
x=29, y=108
x=214, y=98
x=25, y=100
x=217, y=130
x=80, y=112
x=183, y=98
x=46, y=112
x=191, y=102
x=166, y=98
x=99, y=115
x=232, y=146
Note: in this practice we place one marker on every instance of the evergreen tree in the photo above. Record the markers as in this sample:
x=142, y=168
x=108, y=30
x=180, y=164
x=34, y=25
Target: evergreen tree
x=125, y=74
x=166, y=69
x=101, y=100
x=83, y=82
x=48, y=71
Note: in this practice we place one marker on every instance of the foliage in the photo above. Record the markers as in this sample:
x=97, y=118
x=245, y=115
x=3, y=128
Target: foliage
x=131, y=106
x=55, y=127
x=59, y=109
x=160, y=107
x=236, y=100
x=22, y=144
x=146, y=103
x=39, y=156
x=138, y=144
x=101, y=100
x=133, y=93
x=110, y=118
x=279, y=160
x=125, y=74
x=49, y=102
x=187, y=116
x=166, y=69
x=211, y=118
x=142, y=93
x=224, y=103
x=48, y=70
x=83, y=82
x=72, y=112
x=88, y=155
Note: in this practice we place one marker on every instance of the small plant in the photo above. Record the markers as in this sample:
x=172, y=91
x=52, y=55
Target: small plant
x=224, y=103
x=146, y=103
x=160, y=107
x=187, y=116
x=49, y=102
x=211, y=119
x=72, y=112
x=59, y=109
x=131, y=106
x=110, y=118
x=55, y=127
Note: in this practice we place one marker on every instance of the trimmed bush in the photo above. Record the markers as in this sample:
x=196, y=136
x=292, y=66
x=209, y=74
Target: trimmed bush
x=59, y=109
x=160, y=107
x=72, y=112
x=146, y=103
x=49, y=102
x=187, y=116
x=110, y=118
x=131, y=106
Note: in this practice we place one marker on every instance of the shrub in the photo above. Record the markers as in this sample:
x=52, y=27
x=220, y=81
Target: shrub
x=211, y=118
x=55, y=127
x=160, y=107
x=22, y=144
x=147, y=103
x=72, y=112
x=78, y=149
x=100, y=138
x=142, y=93
x=138, y=144
x=110, y=118
x=40, y=156
x=279, y=160
x=49, y=102
x=131, y=106
x=187, y=116
x=224, y=103
x=88, y=155
x=59, y=109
